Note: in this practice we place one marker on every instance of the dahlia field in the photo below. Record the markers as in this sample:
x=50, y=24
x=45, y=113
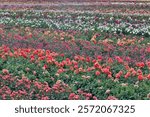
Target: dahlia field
x=75, y=50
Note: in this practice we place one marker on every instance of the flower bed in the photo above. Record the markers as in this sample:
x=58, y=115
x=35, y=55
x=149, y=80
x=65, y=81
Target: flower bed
x=55, y=64
x=75, y=50
x=127, y=25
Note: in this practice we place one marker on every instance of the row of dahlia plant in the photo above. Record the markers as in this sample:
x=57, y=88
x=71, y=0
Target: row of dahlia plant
x=128, y=25
x=55, y=64
x=99, y=7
